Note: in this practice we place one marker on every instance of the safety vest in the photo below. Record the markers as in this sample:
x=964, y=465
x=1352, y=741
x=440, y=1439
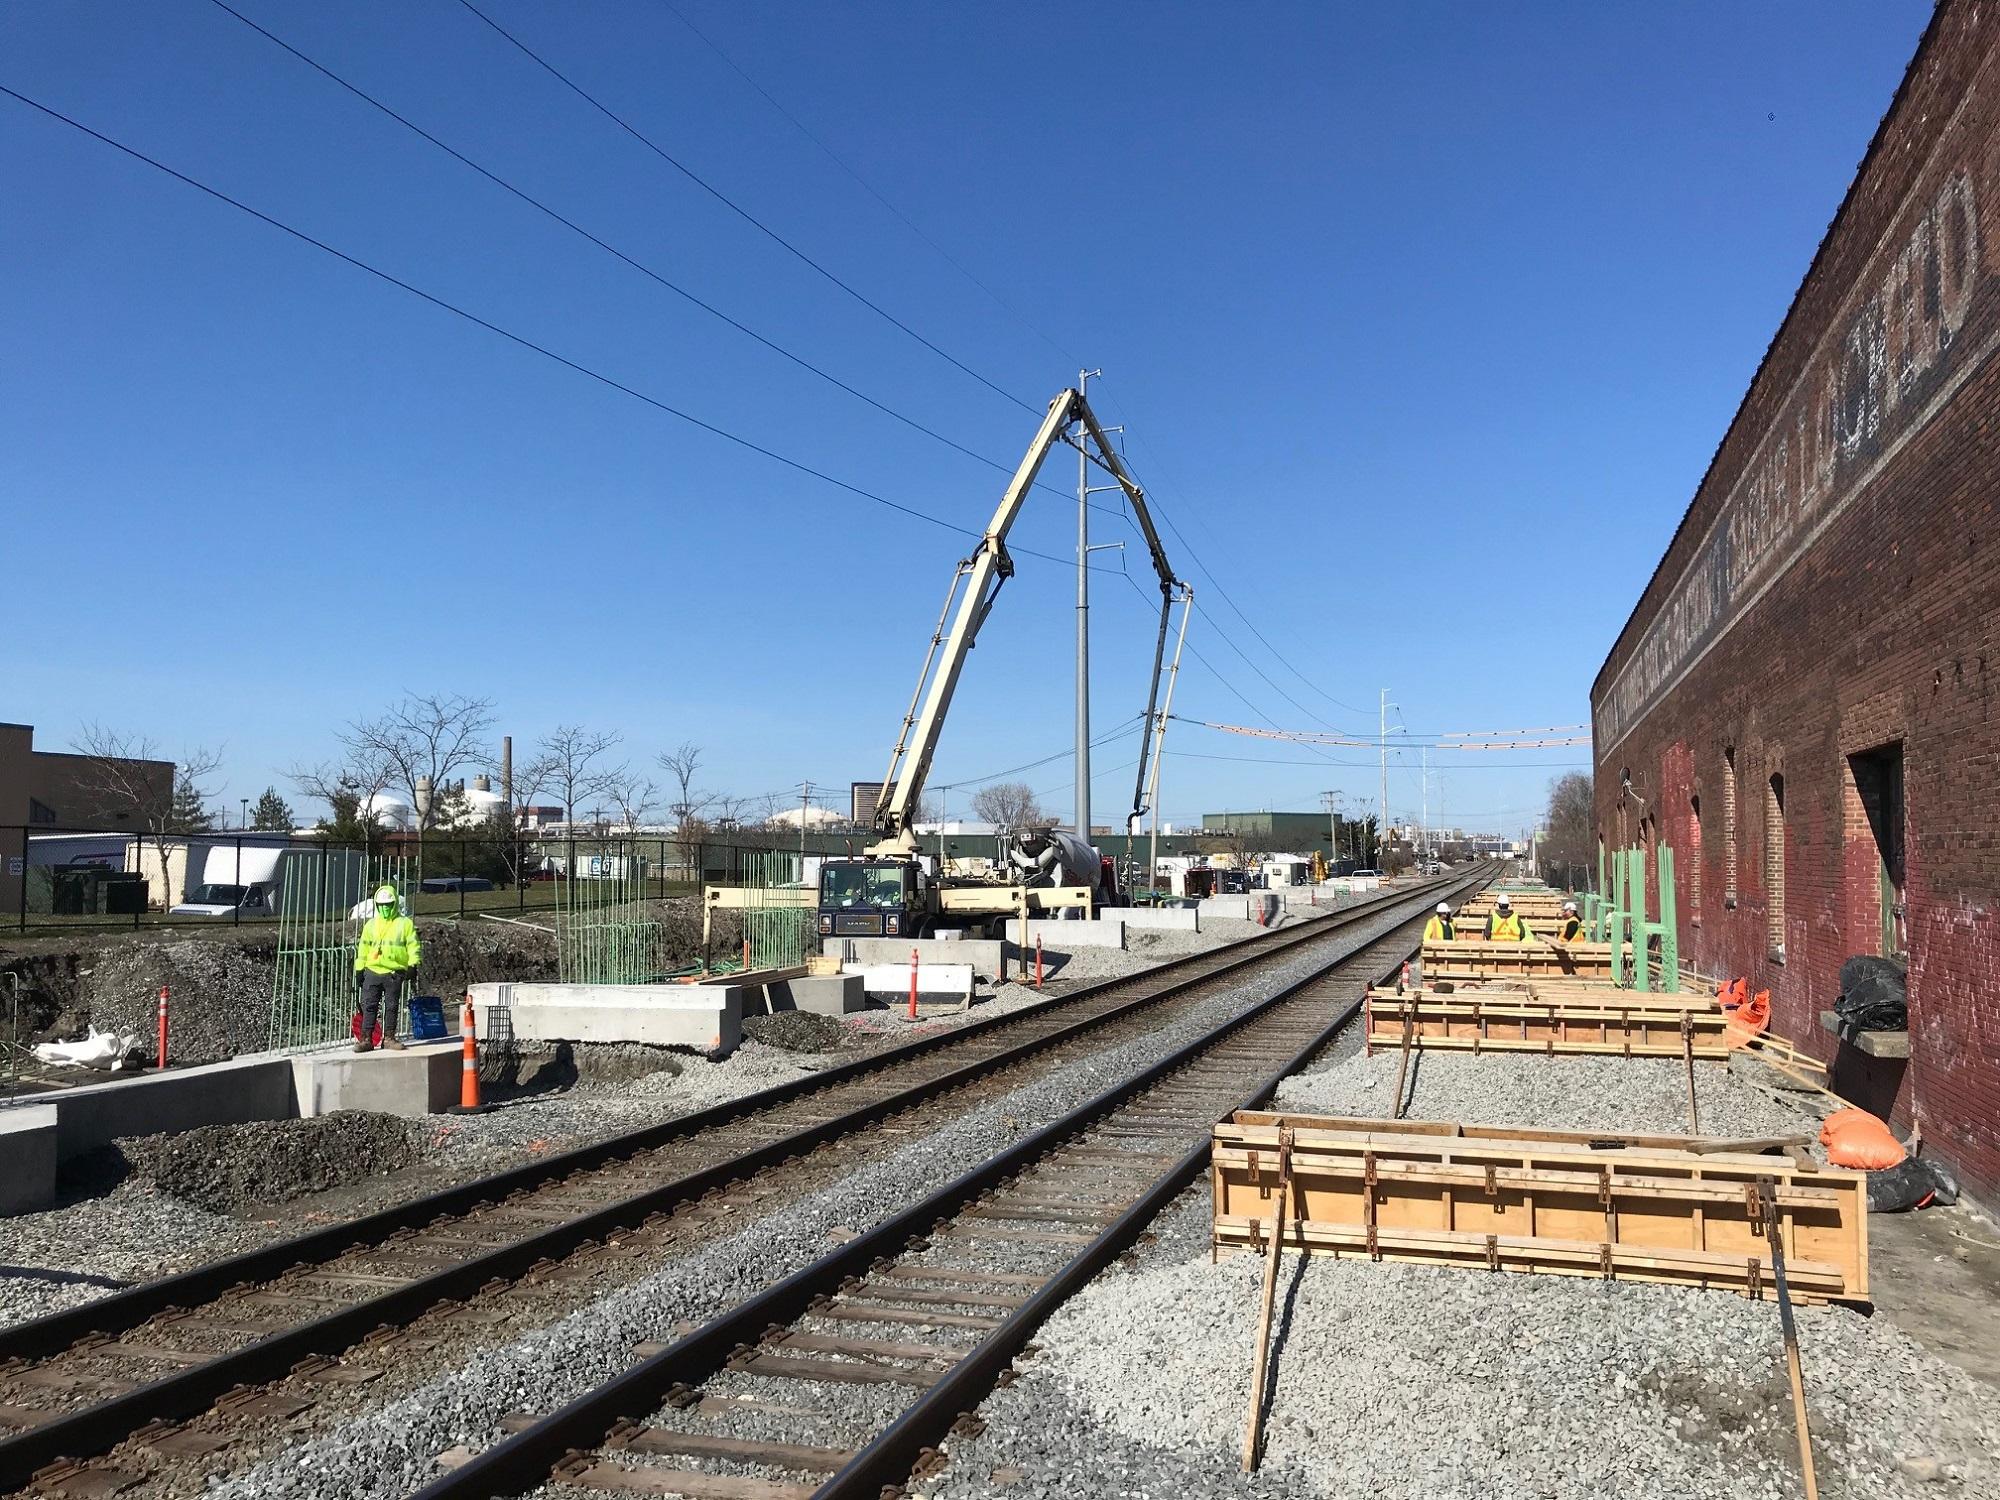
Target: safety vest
x=1507, y=929
x=388, y=945
x=1570, y=928
x=1438, y=929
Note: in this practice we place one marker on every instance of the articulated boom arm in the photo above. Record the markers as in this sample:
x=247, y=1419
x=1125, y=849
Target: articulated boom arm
x=980, y=577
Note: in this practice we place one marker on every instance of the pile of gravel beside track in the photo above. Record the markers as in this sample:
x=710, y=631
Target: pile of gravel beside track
x=76, y=1254
x=1581, y=1092
x=1441, y=1384
x=796, y=1031
x=226, y=1168
x=393, y=1452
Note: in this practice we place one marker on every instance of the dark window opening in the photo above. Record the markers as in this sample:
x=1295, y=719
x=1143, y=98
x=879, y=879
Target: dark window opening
x=1877, y=788
x=1774, y=865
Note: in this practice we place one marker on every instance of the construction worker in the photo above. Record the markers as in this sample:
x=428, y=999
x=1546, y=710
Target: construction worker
x=387, y=952
x=1572, y=924
x=1439, y=928
x=1504, y=926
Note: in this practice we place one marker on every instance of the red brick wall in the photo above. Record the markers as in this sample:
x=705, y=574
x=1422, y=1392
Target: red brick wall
x=1836, y=587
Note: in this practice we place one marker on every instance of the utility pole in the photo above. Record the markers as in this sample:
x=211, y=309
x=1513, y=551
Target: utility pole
x=1382, y=828
x=1083, y=622
x=805, y=806
x=1424, y=817
x=1331, y=801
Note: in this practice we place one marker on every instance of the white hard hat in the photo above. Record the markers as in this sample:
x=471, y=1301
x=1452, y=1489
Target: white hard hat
x=1569, y=906
x=1503, y=901
x=1444, y=908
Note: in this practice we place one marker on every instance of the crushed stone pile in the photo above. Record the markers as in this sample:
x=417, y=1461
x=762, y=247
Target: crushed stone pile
x=796, y=1031
x=228, y=1168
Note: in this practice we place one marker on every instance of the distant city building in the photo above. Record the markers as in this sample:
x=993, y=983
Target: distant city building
x=48, y=789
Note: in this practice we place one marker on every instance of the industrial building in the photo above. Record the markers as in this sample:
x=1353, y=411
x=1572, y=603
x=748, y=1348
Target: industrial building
x=48, y=790
x=1802, y=704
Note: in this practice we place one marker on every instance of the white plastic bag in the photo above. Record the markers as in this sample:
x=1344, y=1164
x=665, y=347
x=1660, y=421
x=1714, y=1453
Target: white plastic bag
x=101, y=1050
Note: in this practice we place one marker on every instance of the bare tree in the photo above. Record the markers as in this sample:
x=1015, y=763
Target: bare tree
x=566, y=760
x=1011, y=804
x=426, y=738
x=121, y=776
x=1570, y=821
x=632, y=794
x=685, y=806
x=346, y=788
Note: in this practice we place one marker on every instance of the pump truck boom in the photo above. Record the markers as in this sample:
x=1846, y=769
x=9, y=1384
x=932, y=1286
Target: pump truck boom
x=894, y=891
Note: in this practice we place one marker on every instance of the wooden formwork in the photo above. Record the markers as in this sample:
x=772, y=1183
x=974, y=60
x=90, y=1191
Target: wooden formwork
x=1560, y=1203
x=1623, y=1023
x=1474, y=958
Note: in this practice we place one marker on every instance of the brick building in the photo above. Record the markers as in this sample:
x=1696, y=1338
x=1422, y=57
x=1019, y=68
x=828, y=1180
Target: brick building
x=47, y=791
x=1805, y=703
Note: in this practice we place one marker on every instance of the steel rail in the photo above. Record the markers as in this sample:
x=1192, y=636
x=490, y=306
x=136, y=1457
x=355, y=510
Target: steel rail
x=93, y=1429
x=525, y=1459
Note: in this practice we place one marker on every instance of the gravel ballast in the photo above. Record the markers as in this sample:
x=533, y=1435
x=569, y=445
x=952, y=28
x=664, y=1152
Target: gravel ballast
x=1434, y=1383
x=226, y=1168
x=1639, y=1094
x=394, y=1451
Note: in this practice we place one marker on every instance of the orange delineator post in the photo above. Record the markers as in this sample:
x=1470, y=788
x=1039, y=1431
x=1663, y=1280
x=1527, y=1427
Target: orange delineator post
x=913, y=984
x=160, y=1056
x=468, y=1085
x=746, y=956
x=1038, y=963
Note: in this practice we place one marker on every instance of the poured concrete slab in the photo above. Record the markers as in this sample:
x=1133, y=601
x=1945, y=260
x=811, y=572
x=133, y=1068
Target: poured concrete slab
x=936, y=983
x=705, y=1017
x=1171, y=918
x=28, y=1147
x=171, y=1100
x=1056, y=936
x=987, y=956
x=822, y=994
x=424, y=1080
x=1243, y=908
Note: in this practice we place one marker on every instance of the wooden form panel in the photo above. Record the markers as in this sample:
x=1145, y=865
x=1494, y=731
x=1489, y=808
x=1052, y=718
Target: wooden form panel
x=1475, y=959
x=1631, y=1025
x=1425, y=1192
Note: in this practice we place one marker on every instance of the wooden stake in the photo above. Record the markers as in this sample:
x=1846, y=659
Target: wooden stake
x=1687, y=1053
x=1774, y=1231
x=1254, y=1427
x=1403, y=1066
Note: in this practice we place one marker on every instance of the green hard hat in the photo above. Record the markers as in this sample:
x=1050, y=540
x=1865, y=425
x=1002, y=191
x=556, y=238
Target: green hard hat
x=385, y=895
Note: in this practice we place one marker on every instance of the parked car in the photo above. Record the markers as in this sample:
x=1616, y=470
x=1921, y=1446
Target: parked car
x=445, y=885
x=1367, y=874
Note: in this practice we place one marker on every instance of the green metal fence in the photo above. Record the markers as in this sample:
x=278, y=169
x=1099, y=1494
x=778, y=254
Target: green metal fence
x=325, y=901
x=780, y=920
x=607, y=931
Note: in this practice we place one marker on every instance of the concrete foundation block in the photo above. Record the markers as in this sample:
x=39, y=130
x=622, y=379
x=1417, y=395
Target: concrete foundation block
x=1156, y=918
x=987, y=956
x=1225, y=906
x=421, y=1081
x=176, y=1099
x=28, y=1147
x=707, y=1018
x=936, y=983
x=822, y=994
x=1107, y=931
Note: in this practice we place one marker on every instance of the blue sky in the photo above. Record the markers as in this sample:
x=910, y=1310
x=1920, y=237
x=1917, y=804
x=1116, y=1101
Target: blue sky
x=1424, y=321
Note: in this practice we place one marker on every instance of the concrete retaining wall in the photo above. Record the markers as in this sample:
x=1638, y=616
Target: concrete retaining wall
x=424, y=1080
x=1106, y=931
x=1173, y=918
x=986, y=955
x=28, y=1146
x=705, y=1017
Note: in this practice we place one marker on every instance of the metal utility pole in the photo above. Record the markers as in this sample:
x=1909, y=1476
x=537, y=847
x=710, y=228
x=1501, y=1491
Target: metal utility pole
x=1382, y=828
x=1424, y=817
x=1083, y=625
x=805, y=806
x=1331, y=802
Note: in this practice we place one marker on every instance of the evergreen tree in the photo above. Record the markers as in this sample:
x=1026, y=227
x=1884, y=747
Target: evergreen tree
x=186, y=814
x=272, y=814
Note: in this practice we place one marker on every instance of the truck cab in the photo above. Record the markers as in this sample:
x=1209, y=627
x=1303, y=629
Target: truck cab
x=871, y=898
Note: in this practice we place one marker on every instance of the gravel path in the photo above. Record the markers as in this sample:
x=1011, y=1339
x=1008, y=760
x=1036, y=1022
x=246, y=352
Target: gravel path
x=394, y=1452
x=1434, y=1384
x=1645, y=1094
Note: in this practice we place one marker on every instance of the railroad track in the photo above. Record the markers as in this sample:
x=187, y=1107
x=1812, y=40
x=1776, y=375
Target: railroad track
x=922, y=1314
x=122, y=1375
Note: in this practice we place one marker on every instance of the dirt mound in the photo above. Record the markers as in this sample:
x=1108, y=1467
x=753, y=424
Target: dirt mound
x=796, y=1031
x=226, y=1168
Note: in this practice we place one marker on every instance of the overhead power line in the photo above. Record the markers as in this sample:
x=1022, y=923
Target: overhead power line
x=736, y=208
x=641, y=267
x=519, y=340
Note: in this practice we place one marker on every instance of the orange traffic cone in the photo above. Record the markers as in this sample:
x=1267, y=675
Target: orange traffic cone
x=468, y=1084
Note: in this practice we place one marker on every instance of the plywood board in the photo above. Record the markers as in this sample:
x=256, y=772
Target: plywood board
x=1475, y=1196
x=1488, y=1021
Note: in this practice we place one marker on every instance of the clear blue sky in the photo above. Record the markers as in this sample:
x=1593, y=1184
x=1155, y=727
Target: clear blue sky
x=1424, y=321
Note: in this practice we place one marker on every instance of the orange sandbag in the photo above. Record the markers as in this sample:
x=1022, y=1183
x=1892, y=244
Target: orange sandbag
x=1747, y=1021
x=1855, y=1138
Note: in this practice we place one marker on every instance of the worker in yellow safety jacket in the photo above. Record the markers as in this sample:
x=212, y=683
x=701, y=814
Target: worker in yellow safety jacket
x=1572, y=924
x=387, y=953
x=1440, y=929
x=1504, y=925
